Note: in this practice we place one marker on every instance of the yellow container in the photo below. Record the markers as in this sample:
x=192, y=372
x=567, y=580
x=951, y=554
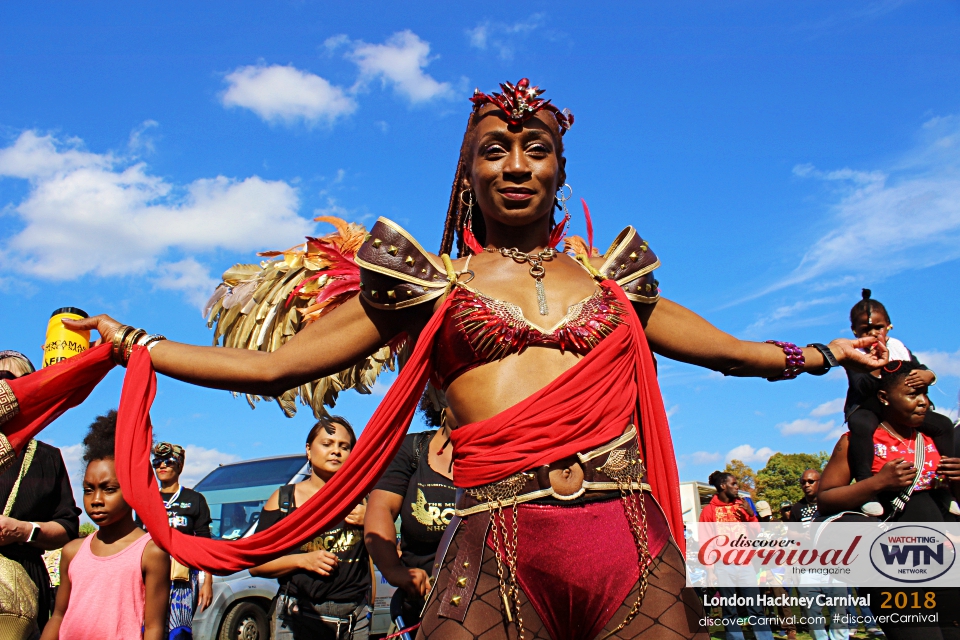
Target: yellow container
x=62, y=343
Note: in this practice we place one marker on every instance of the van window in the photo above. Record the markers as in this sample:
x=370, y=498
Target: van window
x=237, y=492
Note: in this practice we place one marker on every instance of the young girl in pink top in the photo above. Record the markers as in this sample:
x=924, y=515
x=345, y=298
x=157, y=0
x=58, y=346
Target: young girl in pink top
x=113, y=584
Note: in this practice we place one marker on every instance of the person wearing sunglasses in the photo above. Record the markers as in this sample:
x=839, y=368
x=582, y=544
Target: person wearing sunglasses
x=187, y=511
x=805, y=509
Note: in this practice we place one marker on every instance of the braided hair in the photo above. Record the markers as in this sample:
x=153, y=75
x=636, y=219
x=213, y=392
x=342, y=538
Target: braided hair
x=456, y=210
x=866, y=306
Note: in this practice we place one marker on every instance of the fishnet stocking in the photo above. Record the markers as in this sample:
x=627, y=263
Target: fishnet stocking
x=669, y=611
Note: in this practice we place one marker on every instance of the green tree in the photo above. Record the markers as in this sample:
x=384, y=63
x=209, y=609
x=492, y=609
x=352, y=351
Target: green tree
x=779, y=481
x=746, y=476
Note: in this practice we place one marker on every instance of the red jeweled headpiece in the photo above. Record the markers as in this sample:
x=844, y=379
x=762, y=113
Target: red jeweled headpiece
x=521, y=102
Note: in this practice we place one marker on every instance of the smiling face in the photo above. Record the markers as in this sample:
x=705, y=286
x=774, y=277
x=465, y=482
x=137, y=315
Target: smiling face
x=328, y=451
x=514, y=171
x=903, y=405
x=102, y=498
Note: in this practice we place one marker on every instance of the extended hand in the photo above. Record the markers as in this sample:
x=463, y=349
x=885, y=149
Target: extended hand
x=13, y=531
x=416, y=582
x=847, y=353
x=897, y=474
x=102, y=324
x=356, y=516
x=322, y=562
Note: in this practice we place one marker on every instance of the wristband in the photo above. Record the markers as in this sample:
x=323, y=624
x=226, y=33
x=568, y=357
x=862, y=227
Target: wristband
x=829, y=360
x=34, y=533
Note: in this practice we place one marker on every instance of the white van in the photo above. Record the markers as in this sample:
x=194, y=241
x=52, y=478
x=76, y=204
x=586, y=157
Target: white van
x=236, y=493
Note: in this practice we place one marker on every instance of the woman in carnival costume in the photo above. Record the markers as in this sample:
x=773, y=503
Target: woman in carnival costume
x=568, y=523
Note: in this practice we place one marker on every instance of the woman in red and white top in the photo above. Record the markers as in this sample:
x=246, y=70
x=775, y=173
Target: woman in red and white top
x=903, y=409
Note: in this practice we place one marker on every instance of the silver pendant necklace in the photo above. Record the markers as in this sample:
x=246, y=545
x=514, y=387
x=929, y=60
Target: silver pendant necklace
x=535, y=260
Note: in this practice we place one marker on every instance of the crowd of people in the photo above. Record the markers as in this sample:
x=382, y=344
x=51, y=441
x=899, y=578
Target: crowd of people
x=898, y=462
x=546, y=502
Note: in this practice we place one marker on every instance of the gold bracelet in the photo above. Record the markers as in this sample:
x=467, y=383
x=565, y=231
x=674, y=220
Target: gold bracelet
x=129, y=341
x=118, y=337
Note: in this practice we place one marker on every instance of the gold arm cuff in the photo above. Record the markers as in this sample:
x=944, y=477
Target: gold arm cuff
x=9, y=406
x=7, y=453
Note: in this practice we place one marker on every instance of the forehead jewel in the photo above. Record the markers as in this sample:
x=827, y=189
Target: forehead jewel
x=521, y=102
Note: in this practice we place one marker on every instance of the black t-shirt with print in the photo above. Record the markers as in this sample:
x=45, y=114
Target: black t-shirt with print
x=349, y=582
x=429, y=500
x=803, y=511
x=189, y=513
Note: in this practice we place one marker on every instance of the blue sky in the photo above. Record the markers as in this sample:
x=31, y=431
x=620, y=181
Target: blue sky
x=777, y=156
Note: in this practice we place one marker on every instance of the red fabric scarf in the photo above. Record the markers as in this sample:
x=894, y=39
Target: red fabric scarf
x=585, y=407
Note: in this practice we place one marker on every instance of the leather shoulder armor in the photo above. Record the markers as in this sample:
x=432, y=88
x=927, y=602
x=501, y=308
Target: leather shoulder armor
x=395, y=271
x=630, y=262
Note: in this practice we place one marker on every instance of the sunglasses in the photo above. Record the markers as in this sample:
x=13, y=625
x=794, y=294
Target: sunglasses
x=808, y=482
x=172, y=461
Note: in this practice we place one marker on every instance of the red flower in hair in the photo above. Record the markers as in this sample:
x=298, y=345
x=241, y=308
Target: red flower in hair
x=521, y=102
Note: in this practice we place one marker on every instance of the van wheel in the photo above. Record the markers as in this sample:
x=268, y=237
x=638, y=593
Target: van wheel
x=245, y=621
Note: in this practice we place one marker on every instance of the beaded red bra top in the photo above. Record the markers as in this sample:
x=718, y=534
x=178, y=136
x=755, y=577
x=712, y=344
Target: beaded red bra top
x=397, y=273
x=482, y=329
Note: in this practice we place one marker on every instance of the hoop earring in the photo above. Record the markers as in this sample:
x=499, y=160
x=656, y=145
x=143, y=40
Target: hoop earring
x=560, y=231
x=468, y=238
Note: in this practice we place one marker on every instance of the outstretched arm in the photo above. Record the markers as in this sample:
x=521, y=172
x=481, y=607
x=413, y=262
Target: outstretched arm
x=336, y=341
x=680, y=334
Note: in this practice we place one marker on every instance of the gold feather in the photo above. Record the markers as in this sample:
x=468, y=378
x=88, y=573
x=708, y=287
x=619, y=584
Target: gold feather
x=260, y=307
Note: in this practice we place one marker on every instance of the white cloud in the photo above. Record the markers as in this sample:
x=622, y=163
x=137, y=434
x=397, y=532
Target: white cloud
x=704, y=457
x=128, y=221
x=285, y=94
x=399, y=62
x=828, y=408
x=908, y=214
x=804, y=426
x=189, y=277
x=200, y=461
x=502, y=37
x=941, y=363
x=748, y=455
x=789, y=312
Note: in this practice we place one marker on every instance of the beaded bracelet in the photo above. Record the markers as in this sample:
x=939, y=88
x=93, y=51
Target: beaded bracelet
x=795, y=360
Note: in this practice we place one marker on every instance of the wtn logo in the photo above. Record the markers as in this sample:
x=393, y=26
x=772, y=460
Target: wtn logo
x=912, y=553
x=897, y=554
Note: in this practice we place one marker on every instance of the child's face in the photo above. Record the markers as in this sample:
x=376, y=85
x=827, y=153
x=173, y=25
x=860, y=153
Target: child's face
x=102, y=498
x=876, y=325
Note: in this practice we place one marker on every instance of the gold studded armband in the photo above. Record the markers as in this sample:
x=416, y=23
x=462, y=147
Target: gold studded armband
x=630, y=262
x=395, y=271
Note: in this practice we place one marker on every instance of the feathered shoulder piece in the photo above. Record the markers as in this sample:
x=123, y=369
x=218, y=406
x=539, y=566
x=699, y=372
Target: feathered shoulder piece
x=261, y=306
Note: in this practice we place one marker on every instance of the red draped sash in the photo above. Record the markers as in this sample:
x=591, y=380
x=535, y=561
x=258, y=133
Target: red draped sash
x=585, y=407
